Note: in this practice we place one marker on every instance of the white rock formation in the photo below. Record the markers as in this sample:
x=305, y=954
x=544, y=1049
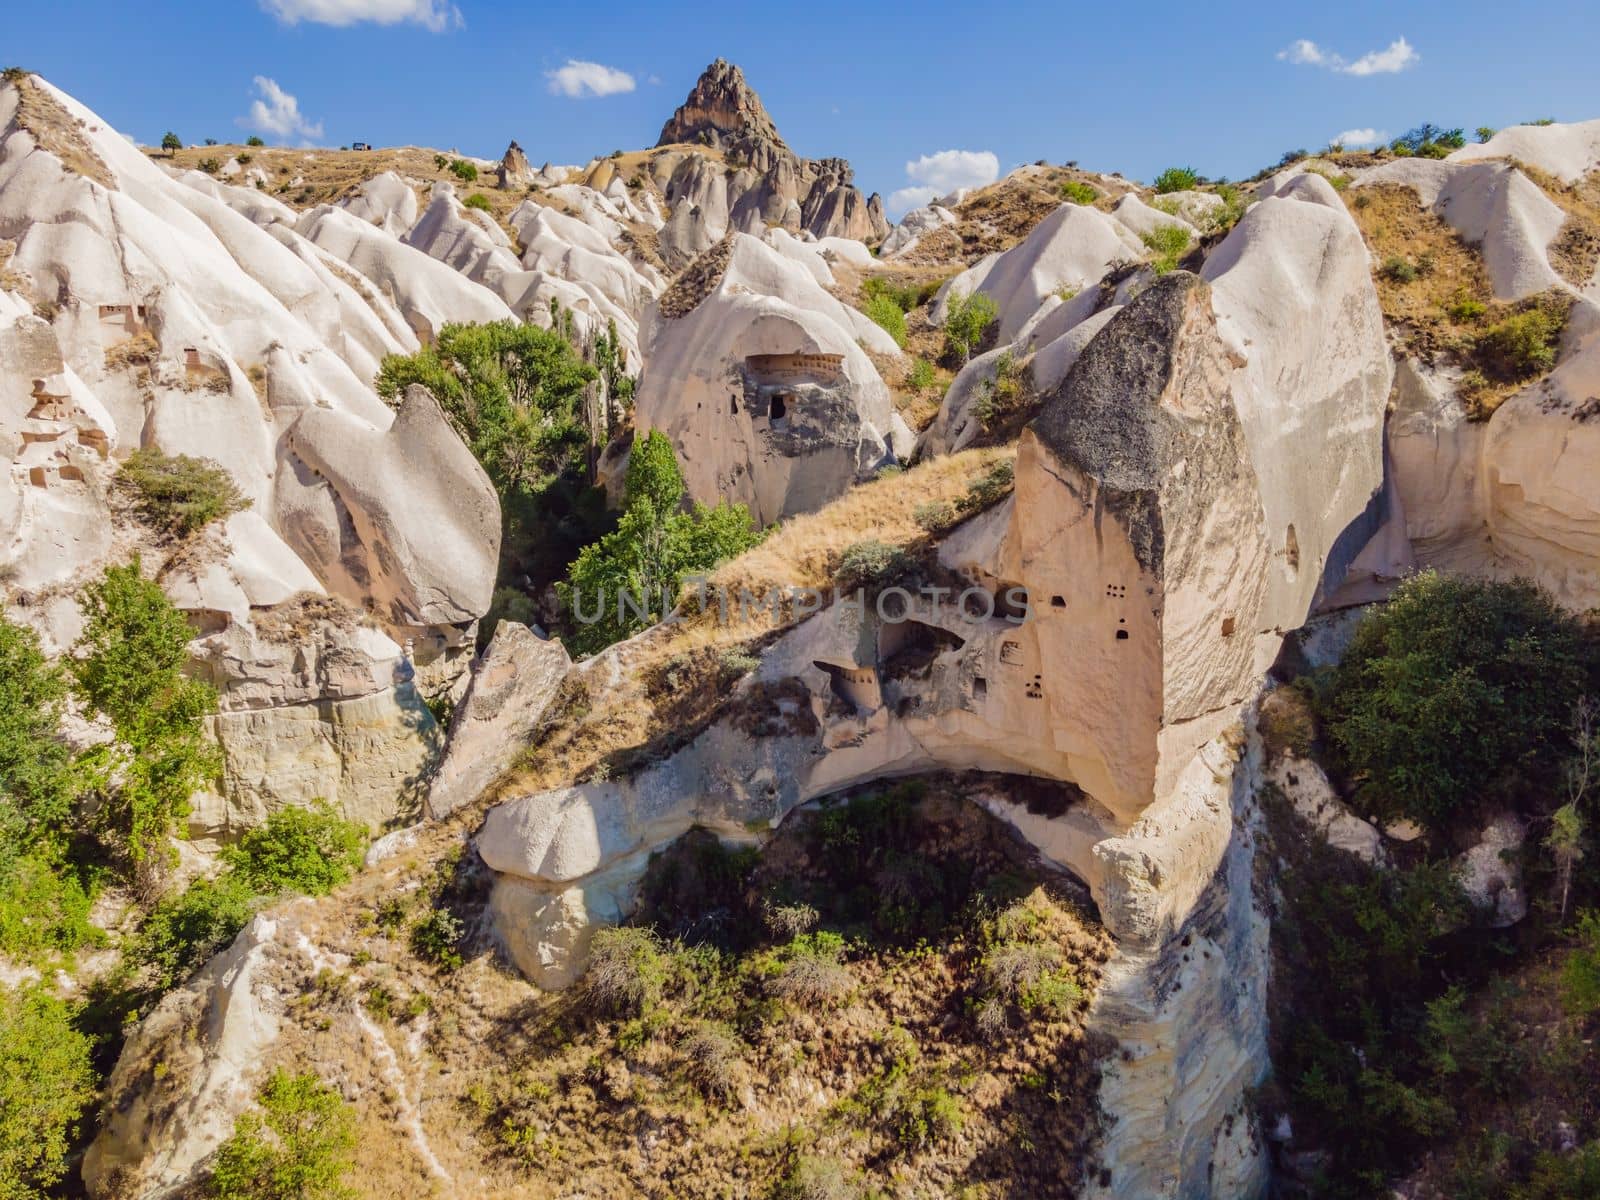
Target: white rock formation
x=1567, y=151
x=757, y=376
x=914, y=226
x=510, y=691
x=205, y=319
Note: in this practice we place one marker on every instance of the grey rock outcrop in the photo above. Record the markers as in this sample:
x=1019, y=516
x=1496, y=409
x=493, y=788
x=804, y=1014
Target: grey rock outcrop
x=757, y=181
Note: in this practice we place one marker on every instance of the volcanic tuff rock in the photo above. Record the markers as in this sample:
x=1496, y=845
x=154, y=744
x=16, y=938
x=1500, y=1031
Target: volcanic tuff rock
x=761, y=383
x=757, y=180
x=198, y=318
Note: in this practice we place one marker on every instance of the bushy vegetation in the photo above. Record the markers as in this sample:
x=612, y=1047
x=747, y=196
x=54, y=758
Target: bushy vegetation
x=1428, y=141
x=1523, y=344
x=463, y=170
x=1176, y=179
x=967, y=321
x=177, y=494
x=306, y=850
x=1454, y=695
x=515, y=394
x=630, y=578
x=479, y=201
x=921, y=376
x=128, y=667
x=1405, y=1032
x=905, y=296
x=888, y=316
x=1167, y=244
x=46, y=1082
x=299, y=1146
x=1079, y=192
x=849, y=952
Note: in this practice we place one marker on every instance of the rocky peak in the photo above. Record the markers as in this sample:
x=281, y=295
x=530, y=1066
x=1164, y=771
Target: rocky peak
x=514, y=170
x=722, y=111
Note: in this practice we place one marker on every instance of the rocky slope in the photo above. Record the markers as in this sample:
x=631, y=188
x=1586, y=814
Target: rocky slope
x=1201, y=458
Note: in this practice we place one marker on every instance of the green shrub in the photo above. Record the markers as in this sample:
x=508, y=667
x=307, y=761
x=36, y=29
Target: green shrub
x=627, y=973
x=179, y=494
x=993, y=486
x=1524, y=344
x=808, y=972
x=930, y=1114
x=44, y=910
x=967, y=320
x=210, y=165
x=300, y=1146
x=1398, y=270
x=185, y=930
x=479, y=201
x=253, y=140
x=1176, y=179
x=1464, y=308
x=921, y=377
x=1456, y=692
x=1167, y=244
x=171, y=142
x=873, y=566
x=307, y=850
x=128, y=666
x=46, y=1082
x=36, y=781
x=436, y=938
x=464, y=171
x=654, y=548
x=1580, y=974
x=1079, y=192
x=906, y=296
x=888, y=316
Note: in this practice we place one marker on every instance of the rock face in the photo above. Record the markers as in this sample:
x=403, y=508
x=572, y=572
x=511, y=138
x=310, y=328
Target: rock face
x=756, y=182
x=206, y=1037
x=514, y=171
x=199, y=318
x=510, y=691
x=1123, y=605
x=758, y=377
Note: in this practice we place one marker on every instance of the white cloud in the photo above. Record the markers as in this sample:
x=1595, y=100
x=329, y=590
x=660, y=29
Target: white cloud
x=578, y=79
x=951, y=169
x=434, y=15
x=1396, y=56
x=277, y=114
x=1359, y=137
x=935, y=175
x=907, y=198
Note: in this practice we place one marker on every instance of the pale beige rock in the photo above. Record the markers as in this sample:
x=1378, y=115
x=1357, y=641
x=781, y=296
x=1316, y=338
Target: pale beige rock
x=208, y=1035
x=764, y=389
x=511, y=690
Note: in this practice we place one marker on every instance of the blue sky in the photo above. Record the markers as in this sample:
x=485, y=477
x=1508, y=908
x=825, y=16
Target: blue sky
x=1226, y=87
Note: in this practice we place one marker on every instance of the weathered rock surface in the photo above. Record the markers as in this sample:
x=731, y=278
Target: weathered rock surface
x=757, y=376
x=757, y=181
x=511, y=690
x=200, y=318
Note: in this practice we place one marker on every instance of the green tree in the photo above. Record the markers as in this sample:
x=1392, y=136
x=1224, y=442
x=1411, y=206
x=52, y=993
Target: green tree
x=299, y=1146
x=129, y=669
x=309, y=850
x=254, y=140
x=170, y=142
x=1182, y=179
x=1455, y=692
x=629, y=579
x=514, y=393
x=46, y=1082
x=966, y=322
x=36, y=780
